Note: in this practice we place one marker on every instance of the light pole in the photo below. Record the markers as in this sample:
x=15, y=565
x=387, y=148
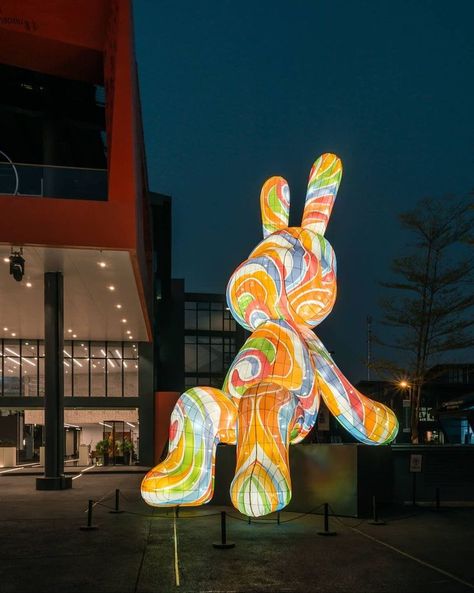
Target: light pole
x=407, y=403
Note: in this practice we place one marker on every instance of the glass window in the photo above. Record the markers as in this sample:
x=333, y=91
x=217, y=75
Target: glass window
x=114, y=378
x=11, y=378
x=217, y=319
x=68, y=377
x=98, y=378
x=217, y=355
x=203, y=361
x=189, y=319
x=41, y=377
x=81, y=376
x=29, y=348
x=203, y=320
x=130, y=351
x=29, y=378
x=11, y=348
x=81, y=350
x=130, y=378
x=97, y=350
x=190, y=359
x=67, y=349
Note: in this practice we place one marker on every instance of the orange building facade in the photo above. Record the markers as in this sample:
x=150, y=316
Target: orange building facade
x=74, y=201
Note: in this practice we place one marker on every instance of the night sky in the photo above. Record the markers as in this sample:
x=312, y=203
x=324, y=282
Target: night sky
x=236, y=91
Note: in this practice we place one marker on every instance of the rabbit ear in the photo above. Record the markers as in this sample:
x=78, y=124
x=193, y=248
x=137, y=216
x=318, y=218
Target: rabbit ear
x=324, y=180
x=275, y=205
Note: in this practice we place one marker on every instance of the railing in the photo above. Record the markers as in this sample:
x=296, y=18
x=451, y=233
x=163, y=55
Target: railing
x=23, y=179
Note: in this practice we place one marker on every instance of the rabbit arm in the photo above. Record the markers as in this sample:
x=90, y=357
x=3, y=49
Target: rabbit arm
x=368, y=421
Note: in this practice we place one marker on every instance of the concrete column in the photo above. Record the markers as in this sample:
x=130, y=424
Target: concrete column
x=54, y=478
x=146, y=404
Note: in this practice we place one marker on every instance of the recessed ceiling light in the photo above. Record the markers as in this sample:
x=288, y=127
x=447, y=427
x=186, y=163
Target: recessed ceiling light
x=74, y=335
x=69, y=331
x=5, y=329
x=13, y=334
x=128, y=331
x=130, y=337
x=102, y=264
x=124, y=321
x=111, y=287
x=29, y=285
x=6, y=260
x=119, y=306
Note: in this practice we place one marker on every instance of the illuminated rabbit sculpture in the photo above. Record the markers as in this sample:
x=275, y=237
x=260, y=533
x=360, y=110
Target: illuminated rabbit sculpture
x=271, y=395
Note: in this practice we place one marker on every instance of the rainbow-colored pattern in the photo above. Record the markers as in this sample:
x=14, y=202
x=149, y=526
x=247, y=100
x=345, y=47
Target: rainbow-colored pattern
x=271, y=395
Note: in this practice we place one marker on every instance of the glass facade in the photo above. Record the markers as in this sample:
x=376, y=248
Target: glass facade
x=91, y=369
x=210, y=341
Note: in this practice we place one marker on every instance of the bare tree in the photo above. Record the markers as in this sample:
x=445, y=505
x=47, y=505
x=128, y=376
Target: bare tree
x=431, y=296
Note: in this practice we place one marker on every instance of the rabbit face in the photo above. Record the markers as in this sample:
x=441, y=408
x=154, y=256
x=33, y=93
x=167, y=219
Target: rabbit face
x=290, y=275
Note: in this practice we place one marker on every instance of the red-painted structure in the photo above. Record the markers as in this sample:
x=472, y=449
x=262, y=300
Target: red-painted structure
x=90, y=41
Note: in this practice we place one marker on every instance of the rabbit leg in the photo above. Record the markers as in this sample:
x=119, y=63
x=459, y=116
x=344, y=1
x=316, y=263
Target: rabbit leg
x=262, y=482
x=202, y=417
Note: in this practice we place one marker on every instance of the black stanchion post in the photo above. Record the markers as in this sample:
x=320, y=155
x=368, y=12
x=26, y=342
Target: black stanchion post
x=176, y=512
x=375, y=515
x=223, y=544
x=249, y=520
x=326, y=522
x=414, y=489
x=117, y=503
x=89, y=525
x=278, y=517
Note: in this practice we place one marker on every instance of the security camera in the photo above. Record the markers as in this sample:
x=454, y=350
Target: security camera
x=17, y=266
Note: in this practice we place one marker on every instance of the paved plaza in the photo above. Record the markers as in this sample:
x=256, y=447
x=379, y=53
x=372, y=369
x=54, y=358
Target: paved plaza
x=44, y=548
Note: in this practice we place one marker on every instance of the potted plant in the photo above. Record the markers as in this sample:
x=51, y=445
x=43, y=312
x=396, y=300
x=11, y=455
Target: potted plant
x=102, y=449
x=126, y=446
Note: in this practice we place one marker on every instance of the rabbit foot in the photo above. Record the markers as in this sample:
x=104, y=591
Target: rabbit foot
x=262, y=482
x=202, y=417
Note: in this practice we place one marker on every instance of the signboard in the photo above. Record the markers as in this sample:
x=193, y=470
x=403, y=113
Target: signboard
x=415, y=463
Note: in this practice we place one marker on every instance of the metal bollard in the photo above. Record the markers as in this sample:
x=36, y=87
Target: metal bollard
x=375, y=516
x=278, y=518
x=117, y=503
x=249, y=520
x=326, y=522
x=89, y=526
x=223, y=544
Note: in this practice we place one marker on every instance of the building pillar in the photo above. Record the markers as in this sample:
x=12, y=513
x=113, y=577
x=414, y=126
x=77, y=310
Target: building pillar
x=54, y=478
x=146, y=405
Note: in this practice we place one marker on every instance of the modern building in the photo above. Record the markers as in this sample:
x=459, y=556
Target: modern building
x=75, y=238
x=446, y=410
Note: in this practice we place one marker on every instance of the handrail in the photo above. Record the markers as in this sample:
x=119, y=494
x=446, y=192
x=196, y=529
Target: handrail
x=12, y=164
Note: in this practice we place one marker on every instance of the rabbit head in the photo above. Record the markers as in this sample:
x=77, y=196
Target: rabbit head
x=291, y=274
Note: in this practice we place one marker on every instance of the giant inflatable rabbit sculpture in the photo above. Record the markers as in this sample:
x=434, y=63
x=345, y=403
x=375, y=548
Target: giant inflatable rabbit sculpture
x=271, y=394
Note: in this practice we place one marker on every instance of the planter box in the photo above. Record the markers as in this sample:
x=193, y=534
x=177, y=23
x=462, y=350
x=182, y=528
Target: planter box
x=7, y=456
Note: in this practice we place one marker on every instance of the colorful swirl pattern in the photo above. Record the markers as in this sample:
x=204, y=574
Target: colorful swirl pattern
x=271, y=394
x=324, y=180
x=202, y=417
x=368, y=421
x=262, y=482
x=275, y=205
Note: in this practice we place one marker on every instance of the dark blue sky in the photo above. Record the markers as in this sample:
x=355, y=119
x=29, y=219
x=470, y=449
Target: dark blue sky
x=236, y=91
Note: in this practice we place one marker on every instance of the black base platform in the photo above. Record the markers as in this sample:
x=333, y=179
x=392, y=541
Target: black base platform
x=58, y=483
